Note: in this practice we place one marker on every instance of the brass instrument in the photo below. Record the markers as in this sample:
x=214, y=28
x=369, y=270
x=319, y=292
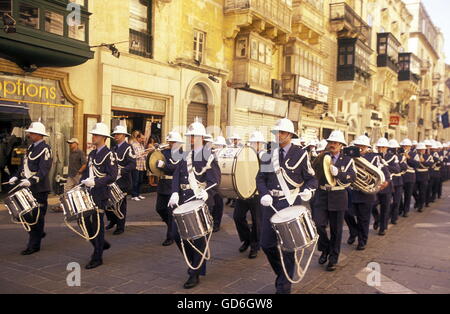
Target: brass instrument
x=153, y=158
x=369, y=178
x=321, y=166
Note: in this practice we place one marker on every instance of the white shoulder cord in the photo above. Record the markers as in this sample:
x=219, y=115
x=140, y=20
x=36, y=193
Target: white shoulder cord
x=290, y=197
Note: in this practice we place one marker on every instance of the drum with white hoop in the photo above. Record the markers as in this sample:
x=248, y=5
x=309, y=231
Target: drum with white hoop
x=294, y=227
x=193, y=220
x=116, y=195
x=77, y=203
x=239, y=167
x=20, y=203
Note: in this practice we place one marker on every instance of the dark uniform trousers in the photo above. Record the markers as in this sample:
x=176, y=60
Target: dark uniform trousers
x=422, y=180
x=165, y=212
x=322, y=216
x=396, y=200
x=382, y=217
x=91, y=225
x=408, y=189
x=36, y=231
x=246, y=233
x=114, y=219
x=217, y=210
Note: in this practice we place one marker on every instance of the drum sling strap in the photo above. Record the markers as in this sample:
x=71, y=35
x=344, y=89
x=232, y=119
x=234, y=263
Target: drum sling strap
x=192, y=173
x=283, y=177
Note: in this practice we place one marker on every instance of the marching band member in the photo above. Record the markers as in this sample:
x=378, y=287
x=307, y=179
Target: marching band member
x=331, y=201
x=362, y=202
x=235, y=141
x=126, y=162
x=285, y=174
x=173, y=155
x=411, y=159
x=389, y=166
x=197, y=171
x=250, y=236
x=397, y=178
x=435, y=171
x=429, y=144
x=101, y=172
x=34, y=174
x=422, y=175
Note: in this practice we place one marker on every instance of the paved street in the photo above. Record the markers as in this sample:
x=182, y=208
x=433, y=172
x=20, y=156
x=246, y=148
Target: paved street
x=414, y=257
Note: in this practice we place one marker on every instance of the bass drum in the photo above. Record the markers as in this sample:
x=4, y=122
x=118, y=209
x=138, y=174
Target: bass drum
x=239, y=167
x=152, y=160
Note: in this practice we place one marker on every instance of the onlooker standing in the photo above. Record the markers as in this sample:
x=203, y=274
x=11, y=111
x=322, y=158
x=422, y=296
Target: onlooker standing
x=77, y=164
x=136, y=141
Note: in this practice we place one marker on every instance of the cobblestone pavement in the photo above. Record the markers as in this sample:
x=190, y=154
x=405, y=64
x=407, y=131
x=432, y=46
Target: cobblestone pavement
x=414, y=257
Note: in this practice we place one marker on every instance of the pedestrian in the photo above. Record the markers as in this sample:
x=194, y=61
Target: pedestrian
x=136, y=141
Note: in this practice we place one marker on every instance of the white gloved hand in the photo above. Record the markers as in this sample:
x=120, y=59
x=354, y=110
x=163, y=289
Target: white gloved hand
x=203, y=195
x=25, y=183
x=266, y=200
x=174, y=199
x=119, y=174
x=89, y=182
x=305, y=195
x=13, y=180
x=160, y=164
x=334, y=170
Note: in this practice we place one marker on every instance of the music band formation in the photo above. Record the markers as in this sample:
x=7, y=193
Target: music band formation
x=294, y=191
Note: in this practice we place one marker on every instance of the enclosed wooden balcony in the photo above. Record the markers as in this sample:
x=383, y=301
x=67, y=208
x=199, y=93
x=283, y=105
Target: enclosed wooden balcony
x=387, y=48
x=409, y=68
x=36, y=34
x=347, y=23
x=270, y=18
x=353, y=61
x=307, y=20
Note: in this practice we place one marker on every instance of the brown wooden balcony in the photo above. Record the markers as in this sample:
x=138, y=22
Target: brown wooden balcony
x=270, y=18
x=347, y=23
x=409, y=68
x=387, y=49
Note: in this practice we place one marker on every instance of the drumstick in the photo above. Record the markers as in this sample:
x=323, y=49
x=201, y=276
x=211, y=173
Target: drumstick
x=276, y=211
x=205, y=190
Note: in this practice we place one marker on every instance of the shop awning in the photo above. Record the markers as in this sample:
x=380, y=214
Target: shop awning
x=15, y=112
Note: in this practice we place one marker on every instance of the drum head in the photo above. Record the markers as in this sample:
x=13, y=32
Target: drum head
x=326, y=169
x=152, y=160
x=188, y=207
x=246, y=167
x=288, y=214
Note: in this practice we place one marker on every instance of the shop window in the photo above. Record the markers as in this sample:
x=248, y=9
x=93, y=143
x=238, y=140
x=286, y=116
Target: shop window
x=54, y=23
x=29, y=15
x=141, y=40
x=199, y=45
x=78, y=32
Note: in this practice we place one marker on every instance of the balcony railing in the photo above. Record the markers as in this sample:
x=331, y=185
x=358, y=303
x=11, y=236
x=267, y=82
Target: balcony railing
x=436, y=77
x=425, y=66
x=424, y=94
x=141, y=44
x=277, y=12
x=304, y=14
x=344, y=18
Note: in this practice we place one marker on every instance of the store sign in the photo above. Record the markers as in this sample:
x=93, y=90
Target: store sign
x=310, y=133
x=394, y=120
x=32, y=89
x=139, y=103
x=312, y=90
x=262, y=104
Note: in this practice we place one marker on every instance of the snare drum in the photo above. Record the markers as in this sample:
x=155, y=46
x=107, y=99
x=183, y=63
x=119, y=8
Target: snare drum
x=294, y=228
x=116, y=195
x=77, y=203
x=193, y=220
x=239, y=167
x=20, y=203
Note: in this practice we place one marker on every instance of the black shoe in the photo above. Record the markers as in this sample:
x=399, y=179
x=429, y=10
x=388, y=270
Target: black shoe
x=253, y=254
x=427, y=205
x=216, y=229
x=167, y=242
x=381, y=233
x=43, y=235
x=420, y=210
x=405, y=215
x=191, y=282
x=361, y=247
x=331, y=266
x=375, y=225
x=93, y=264
x=351, y=240
x=244, y=247
x=394, y=222
x=29, y=251
x=110, y=226
x=106, y=246
x=323, y=258
x=118, y=231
